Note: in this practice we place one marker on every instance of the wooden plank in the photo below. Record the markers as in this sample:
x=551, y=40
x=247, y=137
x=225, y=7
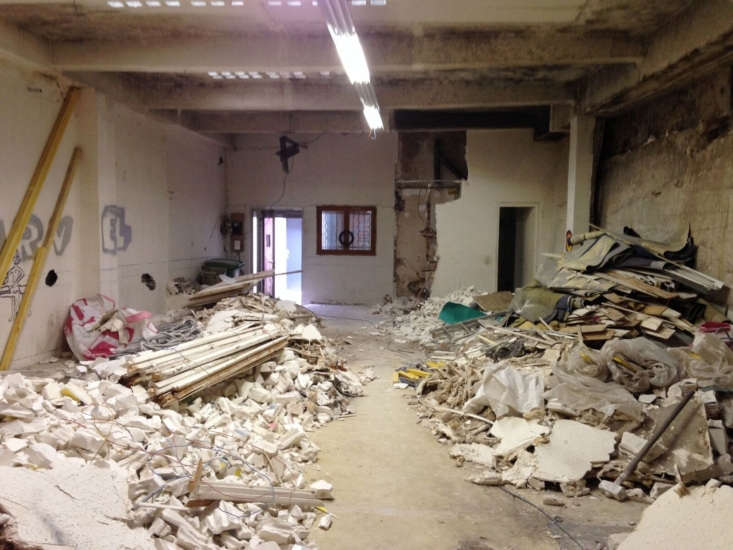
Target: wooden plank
x=12, y=240
x=39, y=261
x=652, y=323
x=235, y=492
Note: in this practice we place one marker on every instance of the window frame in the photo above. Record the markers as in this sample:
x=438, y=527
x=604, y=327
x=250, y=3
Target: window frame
x=345, y=212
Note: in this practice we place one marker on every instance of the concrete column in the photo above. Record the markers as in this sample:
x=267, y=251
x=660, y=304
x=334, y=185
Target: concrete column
x=580, y=173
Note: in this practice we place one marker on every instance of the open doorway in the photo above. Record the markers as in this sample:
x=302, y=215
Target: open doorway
x=517, y=240
x=277, y=237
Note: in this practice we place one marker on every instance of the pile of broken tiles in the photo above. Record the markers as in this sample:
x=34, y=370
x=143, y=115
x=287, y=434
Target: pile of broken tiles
x=250, y=432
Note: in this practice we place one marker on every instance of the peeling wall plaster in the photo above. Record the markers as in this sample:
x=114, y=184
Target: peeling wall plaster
x=668, y=165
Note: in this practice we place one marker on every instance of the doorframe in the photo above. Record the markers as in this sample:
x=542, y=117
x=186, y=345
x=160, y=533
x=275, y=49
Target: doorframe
x=261, y=214
x=497, y=228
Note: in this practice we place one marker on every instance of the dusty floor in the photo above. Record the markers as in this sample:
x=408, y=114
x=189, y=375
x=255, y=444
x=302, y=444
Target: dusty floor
x=396, y=488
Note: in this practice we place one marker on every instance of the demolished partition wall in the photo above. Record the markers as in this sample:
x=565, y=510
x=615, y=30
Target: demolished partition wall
x=343, y=170
x=147, y=199
x=506, y=168
x=668, y=165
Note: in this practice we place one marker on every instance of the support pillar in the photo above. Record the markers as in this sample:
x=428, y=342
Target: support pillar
x=580, y=173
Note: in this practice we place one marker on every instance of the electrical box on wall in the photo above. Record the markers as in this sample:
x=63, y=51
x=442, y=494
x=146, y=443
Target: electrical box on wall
x=237, y=235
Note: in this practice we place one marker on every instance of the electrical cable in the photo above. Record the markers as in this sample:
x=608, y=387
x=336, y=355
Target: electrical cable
x=284, y=185
x=552, y=519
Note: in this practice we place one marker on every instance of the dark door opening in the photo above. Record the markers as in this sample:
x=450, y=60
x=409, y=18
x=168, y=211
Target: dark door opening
x=516, y=247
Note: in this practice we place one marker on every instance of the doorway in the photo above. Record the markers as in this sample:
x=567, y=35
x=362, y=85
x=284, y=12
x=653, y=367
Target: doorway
x=277, y=237
x=517, y=240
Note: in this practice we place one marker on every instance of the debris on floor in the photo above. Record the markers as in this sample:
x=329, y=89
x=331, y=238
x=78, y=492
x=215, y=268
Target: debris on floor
x=676, y=521
x=202, y=445
x=563, y=383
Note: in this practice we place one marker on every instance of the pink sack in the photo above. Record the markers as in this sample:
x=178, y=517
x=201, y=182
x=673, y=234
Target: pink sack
x=96, y=328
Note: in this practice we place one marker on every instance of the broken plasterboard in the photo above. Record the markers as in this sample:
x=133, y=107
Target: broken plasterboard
x=516, y=434
x=572, y=451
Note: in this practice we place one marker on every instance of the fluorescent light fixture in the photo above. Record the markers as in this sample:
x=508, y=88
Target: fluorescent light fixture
x=379, y=2
x=152, y=3
x=299, y=74
x=213, y=73
x=273, y=75
x=134, y=4
x=358, y=2
x=218, y=3
x=295, y=3
x=373, y=118
x=198, y=3
x=237, y=3
x=255, y=75
x=351, y=55
x=173, y=3
x=274, y=2
x=116, y=4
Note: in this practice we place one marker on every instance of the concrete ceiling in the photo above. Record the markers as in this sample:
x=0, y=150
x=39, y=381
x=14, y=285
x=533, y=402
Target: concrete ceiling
x=94, y=19
x=423, y=54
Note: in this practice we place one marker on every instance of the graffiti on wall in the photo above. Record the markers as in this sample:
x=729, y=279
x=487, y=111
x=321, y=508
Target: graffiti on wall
x=116, y=234
x=13, y=286
x=33, y=235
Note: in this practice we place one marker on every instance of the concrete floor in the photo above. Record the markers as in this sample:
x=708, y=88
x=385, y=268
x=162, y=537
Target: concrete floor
x=397, y=489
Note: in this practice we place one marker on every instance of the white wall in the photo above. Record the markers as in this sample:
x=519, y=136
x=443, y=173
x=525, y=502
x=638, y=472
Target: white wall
x=166, y=179
x=505, y=168
x=337, y=170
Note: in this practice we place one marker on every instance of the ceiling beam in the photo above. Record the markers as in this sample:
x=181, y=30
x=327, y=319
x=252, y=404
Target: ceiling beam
x=392, y=52
x=150, y=93
x=24, y=49
x=270, y=122
x=290, y=96
x=696, y=42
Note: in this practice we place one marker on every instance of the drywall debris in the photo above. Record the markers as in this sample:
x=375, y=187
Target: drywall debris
x=573, y=449
x=516, y=434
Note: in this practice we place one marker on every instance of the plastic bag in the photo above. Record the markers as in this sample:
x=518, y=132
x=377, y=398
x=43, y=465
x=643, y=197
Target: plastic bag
x=660, y=368
x=96, y=328
x=587, y=362
x=579, y=393
x=507, y=391
x=709, y=360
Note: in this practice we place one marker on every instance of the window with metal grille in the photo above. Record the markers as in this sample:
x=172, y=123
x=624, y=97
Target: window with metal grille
x=347, y=230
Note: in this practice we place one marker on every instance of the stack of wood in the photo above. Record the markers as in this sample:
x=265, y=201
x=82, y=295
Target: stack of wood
x=174, y=374
x=227, y=289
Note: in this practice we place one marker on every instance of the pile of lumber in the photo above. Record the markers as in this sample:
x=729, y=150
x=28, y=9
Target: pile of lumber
x=227, y=289
x=174, y=374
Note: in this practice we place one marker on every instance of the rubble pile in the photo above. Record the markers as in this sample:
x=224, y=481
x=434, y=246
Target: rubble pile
x=562, y=388
x=222, y=470
x=416, y=325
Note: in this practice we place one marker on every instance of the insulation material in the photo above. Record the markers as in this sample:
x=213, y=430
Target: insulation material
x=508, y=391
x=574, y=449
